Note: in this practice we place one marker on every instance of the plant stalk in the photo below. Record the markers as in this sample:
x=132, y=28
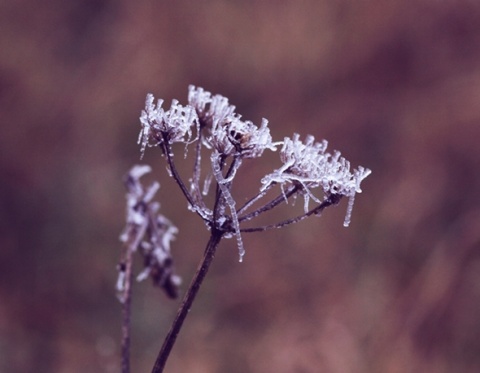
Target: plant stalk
x=187, y=301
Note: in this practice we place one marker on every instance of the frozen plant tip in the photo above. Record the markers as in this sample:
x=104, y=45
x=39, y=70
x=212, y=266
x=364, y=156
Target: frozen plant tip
x=211, y=125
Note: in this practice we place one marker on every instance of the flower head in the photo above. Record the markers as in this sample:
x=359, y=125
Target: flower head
x=210, y=109
x=176, y=123
x=243, y=138
x=227, y=132
x=308, y=164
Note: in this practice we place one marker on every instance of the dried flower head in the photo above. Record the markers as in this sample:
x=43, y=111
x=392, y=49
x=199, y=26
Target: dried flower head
x=176, y=123
x=308, y=164
x=151, y=231
x=241, y=138
x=210, y=109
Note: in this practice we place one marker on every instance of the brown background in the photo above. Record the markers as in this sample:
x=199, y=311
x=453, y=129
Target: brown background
x=395, y=85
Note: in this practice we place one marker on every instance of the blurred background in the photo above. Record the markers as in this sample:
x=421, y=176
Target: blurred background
x=394, y=85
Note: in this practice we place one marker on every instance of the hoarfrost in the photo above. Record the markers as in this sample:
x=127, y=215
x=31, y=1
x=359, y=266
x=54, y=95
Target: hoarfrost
x=217, y=172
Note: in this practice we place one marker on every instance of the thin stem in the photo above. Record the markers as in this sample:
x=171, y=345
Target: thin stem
x=173, y=169
x=187, y=301
x=132, y=245
x=167, y=150
x=332, y=200
x=126, y=313
x=279, y=199
x=252, y=200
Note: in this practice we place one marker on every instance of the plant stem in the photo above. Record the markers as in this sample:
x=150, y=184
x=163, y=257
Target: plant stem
x=281, y=198
x=135, y=236
x=168, y=152
x=126, y=331
x=126, y=306
x=188, y=299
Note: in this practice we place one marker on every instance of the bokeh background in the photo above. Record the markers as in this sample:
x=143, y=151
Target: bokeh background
x=394, y=85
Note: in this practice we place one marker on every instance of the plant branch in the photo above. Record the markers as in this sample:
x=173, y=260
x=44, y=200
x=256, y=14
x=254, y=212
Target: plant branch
x=188, y=300
x=168, y=152
x=173, y=169
x=254, y=199
x=332, y=200
x=279, y=199
x=126, y=312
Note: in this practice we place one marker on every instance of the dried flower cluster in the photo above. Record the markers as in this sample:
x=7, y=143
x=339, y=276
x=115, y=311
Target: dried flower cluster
x=151, y=233
x=309, y=164
x=218, y=128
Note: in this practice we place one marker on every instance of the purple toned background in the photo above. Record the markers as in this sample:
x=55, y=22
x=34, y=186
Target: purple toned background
x=394, y=85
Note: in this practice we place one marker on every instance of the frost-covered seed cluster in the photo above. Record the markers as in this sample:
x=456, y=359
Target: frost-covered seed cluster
x=309, y=164
x=210, y=109
x=220, y=130
x=177, y=122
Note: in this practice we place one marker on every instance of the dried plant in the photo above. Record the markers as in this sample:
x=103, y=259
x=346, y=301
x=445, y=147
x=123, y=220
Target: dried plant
x=210, y=124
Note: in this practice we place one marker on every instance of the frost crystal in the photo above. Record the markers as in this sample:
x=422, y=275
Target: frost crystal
x=308, y=164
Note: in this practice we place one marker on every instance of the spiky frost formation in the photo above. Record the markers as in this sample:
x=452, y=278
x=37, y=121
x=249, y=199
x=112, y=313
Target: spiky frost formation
x=211, y=109
x=309, y=164
x=176, y=123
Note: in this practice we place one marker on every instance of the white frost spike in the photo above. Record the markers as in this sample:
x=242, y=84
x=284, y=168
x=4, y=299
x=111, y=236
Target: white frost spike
x=144, y=274
x=121, y=282
x=148, y=118
x=206, y=184
x=217, y=172
x=348, y=215
x=150, y=193
x=139, y=170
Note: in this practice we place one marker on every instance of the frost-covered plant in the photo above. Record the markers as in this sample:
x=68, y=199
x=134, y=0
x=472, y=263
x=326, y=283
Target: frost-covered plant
x=150, y=233
x=210, y=124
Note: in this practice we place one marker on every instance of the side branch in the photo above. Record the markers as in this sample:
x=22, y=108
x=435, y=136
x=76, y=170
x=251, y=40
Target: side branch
x=332, y=200
x=168, y=152
x=270, y=205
